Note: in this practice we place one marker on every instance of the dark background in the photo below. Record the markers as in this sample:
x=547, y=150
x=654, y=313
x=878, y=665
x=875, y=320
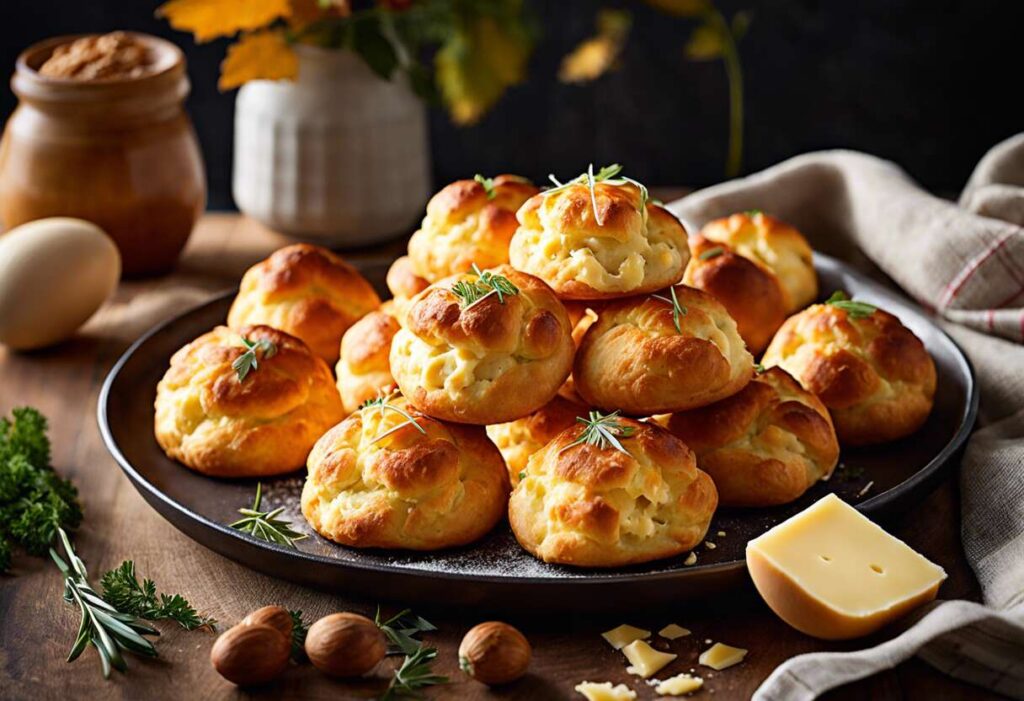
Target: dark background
x=929, y=84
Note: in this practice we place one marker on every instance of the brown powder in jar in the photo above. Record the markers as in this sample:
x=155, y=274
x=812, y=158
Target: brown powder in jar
x=101, y=57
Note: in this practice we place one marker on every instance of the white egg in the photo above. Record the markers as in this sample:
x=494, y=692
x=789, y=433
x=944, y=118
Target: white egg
x=54, y=274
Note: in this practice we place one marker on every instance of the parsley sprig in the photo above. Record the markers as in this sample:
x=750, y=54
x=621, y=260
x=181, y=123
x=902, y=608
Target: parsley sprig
x=488, y=184
x=401, y=630
x=382, y=404
x=603, y=431
x=248, y=361
x=606, y=175
x=678, y=310
x=415, y=673
x=471, y=293
x=854, y=309
x=104, y=627
x=121, y=589
x=266, y=525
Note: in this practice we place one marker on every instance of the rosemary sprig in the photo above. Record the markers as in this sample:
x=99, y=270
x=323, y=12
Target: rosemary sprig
x=855, y=310
x=713, y=252
x=603, y=431
x=266, y=525
x=606, y=175
x=678, y=310
x=382, y=403
x=488, y=184
x=485, y=285
x=759, y=368
x=299, y=630
x=104, y=627
x=247, y=361
x=753, y=212
x=121, y=589
x=401, y=630
x=415, y=673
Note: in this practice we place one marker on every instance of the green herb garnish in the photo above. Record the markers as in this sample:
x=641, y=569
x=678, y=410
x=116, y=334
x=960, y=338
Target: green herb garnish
x=299, y=631
x=121, y=589
x=855, y=310
x=606, y=175
x=603, y=431
x=34, y=500
x=415, y=673
x=471, y=293
x=753, y=212
x=382, y=404
x=758, y=368
x=678, y=310
x=104, y=627
x=401, y=631
x=247, y=361
x=488, y=184
x=266, y=525
x=713, y=252
x=522, y=474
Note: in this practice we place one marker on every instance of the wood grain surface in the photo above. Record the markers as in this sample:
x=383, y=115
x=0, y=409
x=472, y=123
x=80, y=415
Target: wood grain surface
x=37, y=628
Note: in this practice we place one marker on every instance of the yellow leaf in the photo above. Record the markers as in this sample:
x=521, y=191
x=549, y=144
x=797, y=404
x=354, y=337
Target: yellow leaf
x=595, y=56
x=705, y=44
x=681, y=8
x=477, y=64
x=263, y=55
x=306, y=12
x=209, y=19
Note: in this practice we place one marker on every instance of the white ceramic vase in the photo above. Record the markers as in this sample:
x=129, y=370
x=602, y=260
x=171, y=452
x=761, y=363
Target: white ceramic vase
x=338, y=156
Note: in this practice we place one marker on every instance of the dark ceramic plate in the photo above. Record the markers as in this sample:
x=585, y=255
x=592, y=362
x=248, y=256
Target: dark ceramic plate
x=495, y=573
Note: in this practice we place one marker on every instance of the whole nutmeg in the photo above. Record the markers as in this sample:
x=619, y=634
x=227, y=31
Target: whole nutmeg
x=345, y=645
x=277, y=617
x=494, y=653
x=250, y=654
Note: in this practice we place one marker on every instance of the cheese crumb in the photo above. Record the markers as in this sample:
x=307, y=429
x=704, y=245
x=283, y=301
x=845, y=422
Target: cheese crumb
x=679, y=685
x=720, y=656
x=673, y=631
x=644, y=659
x=604, y=691
x=691, y=559
x=721, y=534
x=709, y=545
x=623, y=635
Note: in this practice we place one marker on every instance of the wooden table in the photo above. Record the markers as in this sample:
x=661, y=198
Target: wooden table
x=37, y=627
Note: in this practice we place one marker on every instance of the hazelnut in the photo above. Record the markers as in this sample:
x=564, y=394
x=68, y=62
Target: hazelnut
x=345, y=645
x=494, y=653
x=250, y=654
x=277, y=617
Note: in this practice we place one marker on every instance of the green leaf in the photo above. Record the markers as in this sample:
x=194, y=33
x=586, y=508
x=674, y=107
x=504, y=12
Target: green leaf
x=366, y=39
x=705, y=44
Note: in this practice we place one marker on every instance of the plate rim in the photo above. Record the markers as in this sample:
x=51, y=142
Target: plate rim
x=594, y=577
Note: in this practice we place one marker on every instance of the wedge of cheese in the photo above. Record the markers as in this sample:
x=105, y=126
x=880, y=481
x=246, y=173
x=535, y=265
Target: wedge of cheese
x=832, y=573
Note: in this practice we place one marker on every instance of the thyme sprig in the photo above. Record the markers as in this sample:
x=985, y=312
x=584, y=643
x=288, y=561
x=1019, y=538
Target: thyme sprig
x=121, y=589
x=382, y=403
x=854, y=309
x=266, y=525
x=712, y=252
x=486, y=284
x=488, y=184
x=104, y=627
x=247, y=361
x=415, y=673
x=603, y=431
x=606, y=175
x=678, y=310
x=401, y=630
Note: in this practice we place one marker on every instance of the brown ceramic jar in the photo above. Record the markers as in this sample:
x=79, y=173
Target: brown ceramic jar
x=119, y=152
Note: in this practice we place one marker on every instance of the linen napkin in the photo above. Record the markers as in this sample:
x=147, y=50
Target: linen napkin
x=965, y=263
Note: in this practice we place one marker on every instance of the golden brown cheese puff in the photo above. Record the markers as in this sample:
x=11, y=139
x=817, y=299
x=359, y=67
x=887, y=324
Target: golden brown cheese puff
x=391, y=477
x=749, y=291
x=872, y=372
x=774, y=245
x=518, y=440
x=593, y=506
x=636, y=248
x=765, y=445
x=363, y=370
x=465, y=224
x=306, y=291
x=635, y=359
x=404, y=284
x=264, y=424
x=492, y=360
